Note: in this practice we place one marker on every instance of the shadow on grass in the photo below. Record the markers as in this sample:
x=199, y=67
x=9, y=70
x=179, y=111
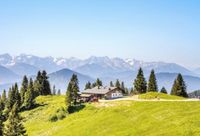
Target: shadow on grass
x=32, y=107
x=77, y=108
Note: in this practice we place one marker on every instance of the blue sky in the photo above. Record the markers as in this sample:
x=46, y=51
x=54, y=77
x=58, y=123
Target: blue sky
x=149, y=30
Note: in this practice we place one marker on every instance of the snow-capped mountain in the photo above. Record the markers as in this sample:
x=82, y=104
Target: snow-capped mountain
x=115, y=64
x=103, y=67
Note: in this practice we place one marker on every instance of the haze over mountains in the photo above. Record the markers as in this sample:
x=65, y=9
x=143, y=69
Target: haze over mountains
x=12, y=68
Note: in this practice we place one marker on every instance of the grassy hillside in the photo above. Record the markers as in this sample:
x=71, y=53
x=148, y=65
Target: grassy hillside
x=124, y=118
x=155, y=95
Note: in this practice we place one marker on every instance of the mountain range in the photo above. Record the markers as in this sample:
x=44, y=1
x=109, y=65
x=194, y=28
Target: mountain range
x=12, y=69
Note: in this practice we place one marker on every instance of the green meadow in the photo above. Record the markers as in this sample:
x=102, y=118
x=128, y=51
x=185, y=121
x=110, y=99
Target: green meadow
x=119, y=118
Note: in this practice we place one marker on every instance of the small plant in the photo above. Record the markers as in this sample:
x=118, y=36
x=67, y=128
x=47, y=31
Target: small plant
x=59, y=115
x=53, y=118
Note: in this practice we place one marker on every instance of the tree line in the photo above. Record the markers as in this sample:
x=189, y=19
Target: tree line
x=19, y=100
x=141, y=86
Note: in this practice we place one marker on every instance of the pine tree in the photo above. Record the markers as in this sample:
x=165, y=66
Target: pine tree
x=140, y=85
x=179, y=88
x=3, y=100
x=23, y=88
x=117, y=84
x=163, y=90
x=94, y=85
x=3, y=97
x=69, y=95
x=38, y=85
x=17, y=98
x=29, y=96
x=88, y=86
x=72, y=91
x=54, y=90
x=1, y=122
x=59, y=92
x=46, y=89
x=123, y=88
x=11, y=99
x=126, y=91
x=14, y=126
x=111, y=84
x=99, y=82
x=152, y=84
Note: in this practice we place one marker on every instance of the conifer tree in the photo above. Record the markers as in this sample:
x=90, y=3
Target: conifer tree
x=99, y=82
x=88, y=86
x=17, y=98
x=59, y=92
x=179, y=88
x=69, y=96
x=29, y=96
x=3, y=99
x=23, y=88
x=46, y=89
x=1, y=122
x=72, y=91
x=126, y=91
x=11, y=99
x=163, y=90
x=38, y=85
x=123, y=88
x=152, y=84
x=111, y=84
x=117, y=84
x=54, y=90
x=140, y=85
x=14, y=126
x=1, y=104
x=94, y=85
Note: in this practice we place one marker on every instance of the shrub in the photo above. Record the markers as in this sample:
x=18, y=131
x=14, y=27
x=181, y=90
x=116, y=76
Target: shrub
x=53, y=118
x=59, y=115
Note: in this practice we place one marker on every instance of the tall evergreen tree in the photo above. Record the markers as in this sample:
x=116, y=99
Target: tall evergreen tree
x=17, y=98
x=111, y=84
x=24, y=88
x=163, y=90
x=94, y=85
x=38, y=85
x=123, y=88
x=117, y=83
x=99, y=82
x=29, y=96
x=140, y=85
x=152, y=84
x=1, y=122
x=59, y=92
x=11, y=99
x=4, y=96
x=179, y=87
x=88, y=86
x=72, y=91
x=3, y=100
x=69, y=96
x=54, y=90
x=14, y=126
x=46, y=89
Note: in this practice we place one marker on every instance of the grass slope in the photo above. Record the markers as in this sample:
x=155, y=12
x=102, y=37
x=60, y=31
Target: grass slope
x=124, y=118
x=155, y=95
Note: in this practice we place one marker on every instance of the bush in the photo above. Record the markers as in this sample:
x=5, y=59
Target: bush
x=59, y=115
x=53, y=118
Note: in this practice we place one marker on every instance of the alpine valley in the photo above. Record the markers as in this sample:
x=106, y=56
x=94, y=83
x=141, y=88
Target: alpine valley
x=13, y=68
